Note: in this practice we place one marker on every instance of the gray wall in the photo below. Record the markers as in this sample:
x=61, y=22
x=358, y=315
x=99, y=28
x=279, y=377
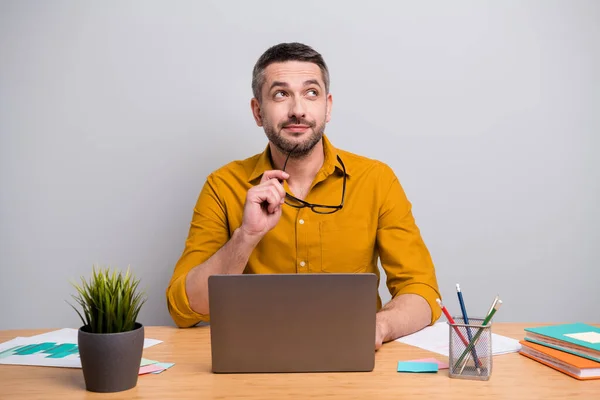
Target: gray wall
x=112, y=114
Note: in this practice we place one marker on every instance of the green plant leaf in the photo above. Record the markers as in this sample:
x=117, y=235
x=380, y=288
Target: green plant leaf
x=110, y=300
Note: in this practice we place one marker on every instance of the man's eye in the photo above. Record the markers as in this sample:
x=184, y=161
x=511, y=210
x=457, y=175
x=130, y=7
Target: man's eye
x=279, y=94
x=312, y=92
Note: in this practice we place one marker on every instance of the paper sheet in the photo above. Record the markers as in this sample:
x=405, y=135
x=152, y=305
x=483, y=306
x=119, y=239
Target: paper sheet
x=436, y=339
x=158, y=367
x=150, y=369
x=47, y=352
x=163, y=367
x=69, y=335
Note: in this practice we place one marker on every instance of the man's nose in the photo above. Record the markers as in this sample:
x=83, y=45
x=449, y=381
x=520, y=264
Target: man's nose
x=297, y=109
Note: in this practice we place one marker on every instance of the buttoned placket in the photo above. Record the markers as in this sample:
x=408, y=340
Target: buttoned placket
x=308, y=246
x=302, y=248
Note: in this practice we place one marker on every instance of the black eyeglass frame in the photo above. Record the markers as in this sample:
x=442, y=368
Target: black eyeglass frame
x=314, y=207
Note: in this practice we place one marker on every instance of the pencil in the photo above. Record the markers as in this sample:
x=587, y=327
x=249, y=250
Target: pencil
x=451, y=320
x=479, y=332
x=466, y=321
x=488, y=313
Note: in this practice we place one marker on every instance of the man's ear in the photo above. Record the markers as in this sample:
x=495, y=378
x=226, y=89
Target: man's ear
x=329, y=106
x=255, y=106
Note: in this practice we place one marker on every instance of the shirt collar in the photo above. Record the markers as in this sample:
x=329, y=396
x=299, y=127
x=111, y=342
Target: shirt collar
x=330, y=162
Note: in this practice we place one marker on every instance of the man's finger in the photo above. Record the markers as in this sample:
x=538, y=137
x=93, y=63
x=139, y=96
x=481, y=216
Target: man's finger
x=260, y=194
x=274, y=174
x=277, y=185
x=272, y=183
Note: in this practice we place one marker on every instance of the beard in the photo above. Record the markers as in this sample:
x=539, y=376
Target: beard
x=286, y=146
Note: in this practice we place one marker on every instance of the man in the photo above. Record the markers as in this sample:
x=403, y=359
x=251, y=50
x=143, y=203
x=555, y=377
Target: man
x=303, y=206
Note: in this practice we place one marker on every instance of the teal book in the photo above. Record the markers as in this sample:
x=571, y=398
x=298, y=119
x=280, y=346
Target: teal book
x=578, y=338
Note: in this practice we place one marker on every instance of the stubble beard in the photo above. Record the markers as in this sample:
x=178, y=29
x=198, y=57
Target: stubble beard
x=294, y=149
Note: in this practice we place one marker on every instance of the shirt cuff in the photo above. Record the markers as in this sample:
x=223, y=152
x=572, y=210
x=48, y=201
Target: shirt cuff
x=179, y=306
x=426, y=292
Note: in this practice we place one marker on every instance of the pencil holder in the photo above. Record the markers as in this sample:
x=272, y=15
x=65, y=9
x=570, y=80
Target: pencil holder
x=470, y=354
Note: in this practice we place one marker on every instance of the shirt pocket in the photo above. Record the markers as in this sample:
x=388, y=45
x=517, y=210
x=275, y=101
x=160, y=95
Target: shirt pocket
x=345, y=247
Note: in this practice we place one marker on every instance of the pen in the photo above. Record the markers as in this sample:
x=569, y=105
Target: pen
x=495, y=308
x=466, y=321
x=451, y=320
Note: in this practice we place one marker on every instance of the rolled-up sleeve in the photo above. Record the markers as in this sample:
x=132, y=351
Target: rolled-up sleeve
x=402, y=251
x=208, y=233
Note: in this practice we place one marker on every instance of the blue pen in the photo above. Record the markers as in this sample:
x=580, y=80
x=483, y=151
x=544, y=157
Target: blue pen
x=466, y=320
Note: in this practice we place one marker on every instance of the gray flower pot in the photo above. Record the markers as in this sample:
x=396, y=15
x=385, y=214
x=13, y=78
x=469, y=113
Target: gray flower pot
x=111, y=361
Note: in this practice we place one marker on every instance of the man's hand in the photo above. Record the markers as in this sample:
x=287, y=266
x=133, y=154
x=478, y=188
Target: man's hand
x=263, y=204
x=380, y=333
x=403, y=315
x=261, y=213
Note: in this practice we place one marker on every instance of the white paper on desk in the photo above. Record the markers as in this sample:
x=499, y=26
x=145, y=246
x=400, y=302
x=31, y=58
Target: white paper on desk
x=40, y=359
x=436, y=339
x=67, y=335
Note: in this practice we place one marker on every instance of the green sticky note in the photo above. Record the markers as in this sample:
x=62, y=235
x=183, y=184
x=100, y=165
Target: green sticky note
x=145, y=362
x=165, y=366
x=415, y=366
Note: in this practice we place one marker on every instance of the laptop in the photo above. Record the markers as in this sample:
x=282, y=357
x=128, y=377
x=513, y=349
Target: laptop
x=292, y=322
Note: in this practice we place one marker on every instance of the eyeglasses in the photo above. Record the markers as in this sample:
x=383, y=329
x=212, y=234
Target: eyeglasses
x=316, y=208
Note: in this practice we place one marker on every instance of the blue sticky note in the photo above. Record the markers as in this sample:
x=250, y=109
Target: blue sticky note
x=412, y=366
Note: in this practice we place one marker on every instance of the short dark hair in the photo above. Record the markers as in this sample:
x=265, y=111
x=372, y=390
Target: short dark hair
x=286, y=52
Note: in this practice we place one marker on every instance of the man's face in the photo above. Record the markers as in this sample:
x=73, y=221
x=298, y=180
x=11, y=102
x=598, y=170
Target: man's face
x=294, y=107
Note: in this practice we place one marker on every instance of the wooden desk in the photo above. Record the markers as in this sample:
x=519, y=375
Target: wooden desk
x=513, y=376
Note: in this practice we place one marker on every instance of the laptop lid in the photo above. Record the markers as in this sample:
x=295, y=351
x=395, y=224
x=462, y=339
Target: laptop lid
x=292, y=322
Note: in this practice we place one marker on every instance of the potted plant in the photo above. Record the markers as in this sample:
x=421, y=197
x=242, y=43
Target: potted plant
x=111, y=339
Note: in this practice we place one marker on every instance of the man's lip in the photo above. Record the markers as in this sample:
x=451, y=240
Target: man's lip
x=296, y=127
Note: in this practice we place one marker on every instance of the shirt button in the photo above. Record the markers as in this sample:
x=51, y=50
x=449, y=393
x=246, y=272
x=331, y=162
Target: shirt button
x=302, y=263
x=301, y=222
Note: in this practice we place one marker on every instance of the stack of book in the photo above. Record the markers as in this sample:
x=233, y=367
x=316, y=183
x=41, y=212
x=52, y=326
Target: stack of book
x=573, y=349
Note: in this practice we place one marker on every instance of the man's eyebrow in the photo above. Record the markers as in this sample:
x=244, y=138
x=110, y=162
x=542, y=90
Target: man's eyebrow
x=278, y=83
x=312, y=82
x=285, y=84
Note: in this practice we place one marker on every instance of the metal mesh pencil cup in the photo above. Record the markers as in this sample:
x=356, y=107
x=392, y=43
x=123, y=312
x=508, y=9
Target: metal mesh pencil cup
x=472, y=361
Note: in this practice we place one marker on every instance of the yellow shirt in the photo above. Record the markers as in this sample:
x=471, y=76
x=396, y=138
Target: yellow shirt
x=376, y=221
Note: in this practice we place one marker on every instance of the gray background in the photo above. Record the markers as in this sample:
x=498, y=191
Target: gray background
x=112, y=114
